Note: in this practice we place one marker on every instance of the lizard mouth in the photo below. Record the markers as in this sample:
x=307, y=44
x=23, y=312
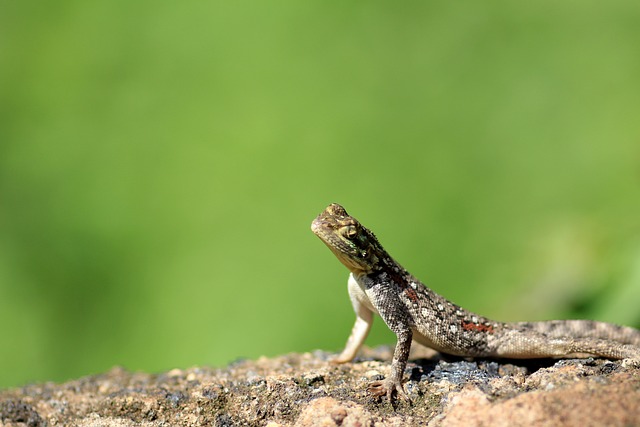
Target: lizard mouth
x=325, y=232
x=316, y=227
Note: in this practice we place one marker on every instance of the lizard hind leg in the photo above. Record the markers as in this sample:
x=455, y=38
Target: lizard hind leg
x=603, y=348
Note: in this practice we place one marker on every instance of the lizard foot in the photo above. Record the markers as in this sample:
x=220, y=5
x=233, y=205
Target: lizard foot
x=387, y=387
x=337, y=360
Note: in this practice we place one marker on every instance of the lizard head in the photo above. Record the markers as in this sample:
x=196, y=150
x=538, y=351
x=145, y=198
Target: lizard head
x=353, y=244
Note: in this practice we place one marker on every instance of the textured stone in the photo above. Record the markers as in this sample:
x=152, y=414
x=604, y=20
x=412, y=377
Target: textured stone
x=305, y=390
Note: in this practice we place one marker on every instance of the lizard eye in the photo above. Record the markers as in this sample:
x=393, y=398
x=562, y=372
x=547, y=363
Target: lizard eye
x=349, y=231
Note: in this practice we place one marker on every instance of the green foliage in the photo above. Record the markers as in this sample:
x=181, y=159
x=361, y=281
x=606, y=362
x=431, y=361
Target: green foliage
x=160, y=164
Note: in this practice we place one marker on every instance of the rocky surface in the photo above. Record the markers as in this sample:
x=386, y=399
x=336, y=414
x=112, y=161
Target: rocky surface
x=306, y=390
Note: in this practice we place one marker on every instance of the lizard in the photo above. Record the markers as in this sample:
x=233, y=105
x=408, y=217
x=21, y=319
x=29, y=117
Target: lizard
x=379, y=285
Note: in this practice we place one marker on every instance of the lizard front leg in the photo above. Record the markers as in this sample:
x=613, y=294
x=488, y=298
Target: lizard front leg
x=356, y=339
x=362, y=326
x=399, y=363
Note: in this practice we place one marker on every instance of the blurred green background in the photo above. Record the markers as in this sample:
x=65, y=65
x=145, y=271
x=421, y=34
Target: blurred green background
x=160, y=164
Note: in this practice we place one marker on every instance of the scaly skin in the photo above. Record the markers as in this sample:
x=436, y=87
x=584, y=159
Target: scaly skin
x=379, y=285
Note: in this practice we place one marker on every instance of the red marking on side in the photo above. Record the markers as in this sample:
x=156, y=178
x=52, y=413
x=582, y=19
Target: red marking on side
x=413, y=295
x=477, y=327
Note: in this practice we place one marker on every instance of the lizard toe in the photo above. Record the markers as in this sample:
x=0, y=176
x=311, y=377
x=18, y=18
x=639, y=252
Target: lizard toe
x=401, y=393
x=387, y=387
x=377, y=388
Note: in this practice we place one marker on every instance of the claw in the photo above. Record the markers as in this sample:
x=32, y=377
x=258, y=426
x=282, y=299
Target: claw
x=377, y=388
x=387, y=387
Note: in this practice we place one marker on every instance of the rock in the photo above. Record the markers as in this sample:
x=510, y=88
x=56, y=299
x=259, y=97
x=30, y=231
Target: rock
x=306, y=390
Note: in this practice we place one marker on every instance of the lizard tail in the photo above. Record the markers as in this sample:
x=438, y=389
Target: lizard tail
x=584, y=329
